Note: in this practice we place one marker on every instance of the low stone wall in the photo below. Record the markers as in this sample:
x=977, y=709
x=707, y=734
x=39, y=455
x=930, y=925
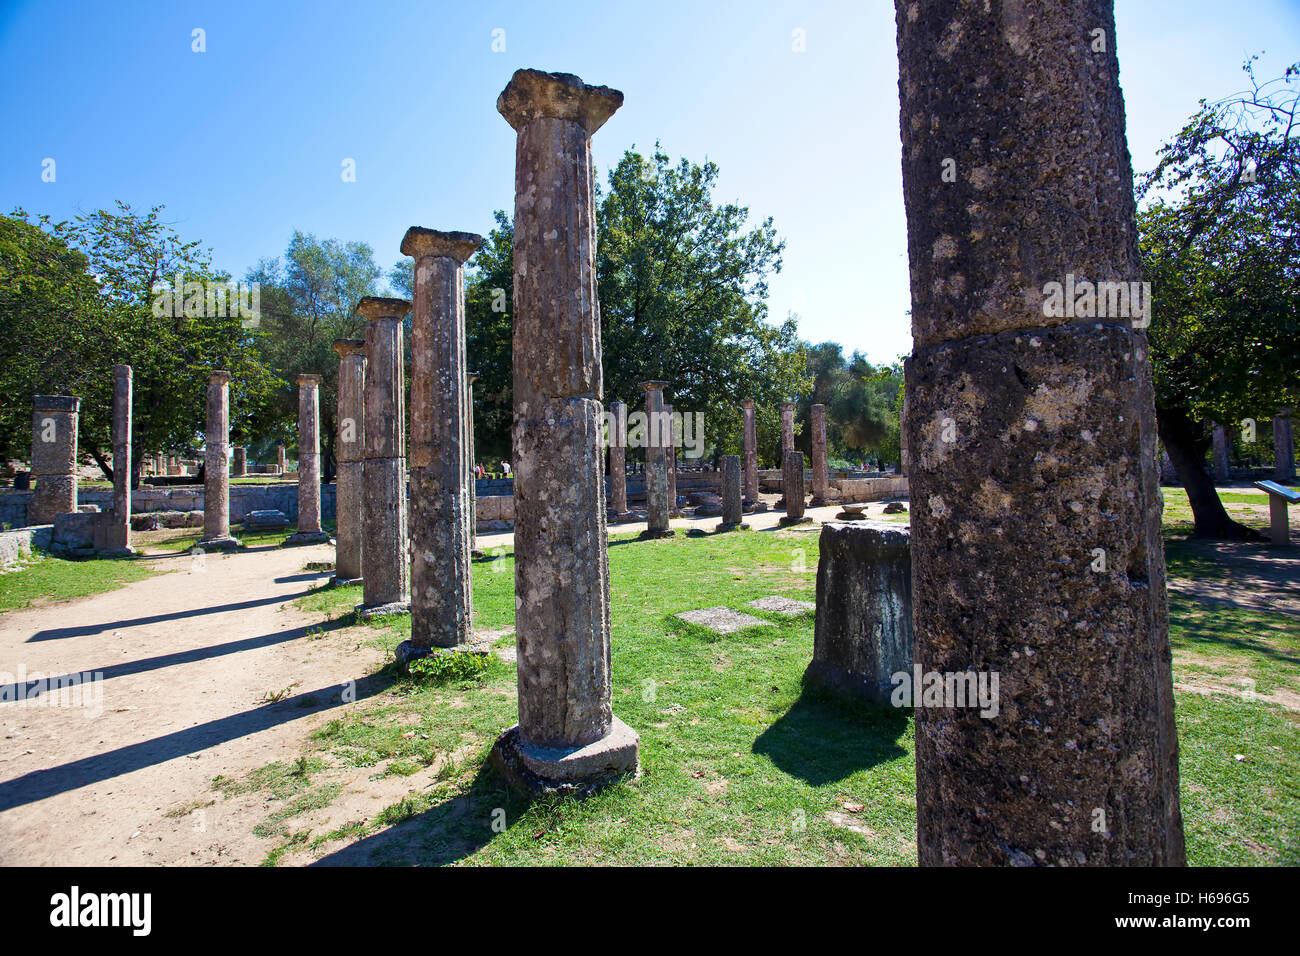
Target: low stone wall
x=17, y=545
x=872, y=489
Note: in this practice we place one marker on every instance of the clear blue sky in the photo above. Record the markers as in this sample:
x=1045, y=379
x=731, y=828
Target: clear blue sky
x=244, y=143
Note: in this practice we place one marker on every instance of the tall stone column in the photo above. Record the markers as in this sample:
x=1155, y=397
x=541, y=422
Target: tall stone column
x=618, y=460
x=787, y=428
x=1037, y=557
x=820, y=467
x=732, y=508
x=239, y=464
x=670, y=458
x=567, y=737
x=54, y=457
x=116, y=526
x=792, y=486
x=751, y=456
x=1221, y=463
x=216, y=461
x=472, y=478
x=904, y=453
x=656, y=463
x=385, y=570
x=442, y=504
x=1283, y=446
x=309, y=529
x=350, y=455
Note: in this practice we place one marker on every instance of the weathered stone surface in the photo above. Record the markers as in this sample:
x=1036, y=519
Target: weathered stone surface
x=656, y=464
x=792, y=487
x=115, y=530
x=751, y=453
x=1220, y=456
x=786, y=607
x=618, y=461
x=216, y=477
x=442, y=513
x=349, y=451
x=787, y=428
x=268, y=520
x=820, y=467
x=670, y=462
x=567, y=736
x=470, y=478
x=895, y=508
x=309, y=510
x=732, y=508
x=1283, y=446
x=239, y=463
x=54, y=457
x=863, y=632
x=721, y=620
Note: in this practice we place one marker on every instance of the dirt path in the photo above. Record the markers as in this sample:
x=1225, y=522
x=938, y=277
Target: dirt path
x=190, y=661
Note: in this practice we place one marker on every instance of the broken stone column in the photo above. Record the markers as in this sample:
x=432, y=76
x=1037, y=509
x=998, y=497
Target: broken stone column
x=618, y=460
x=216, y=462
x=1036, y=544
x=751, y=500
x=1283, y=446
x=1220, y=453
x=1168, y=473
x=863, y=633
x=904, y=454
x=54, y=457
x=792, y=488
x=787, y=428
x=280, y=462
x=309, y=529
x=732, y=507
x=350, y=456
x=656, y=464
x=820, y=467
x=239, y=464
x=385, y=571
x=567, y=737
x=670, y=459
x=441, y=500
x=472, y=478
x=115, y=527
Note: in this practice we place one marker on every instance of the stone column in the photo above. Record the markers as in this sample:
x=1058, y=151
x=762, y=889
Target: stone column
x=1220, y=453
x=309, y=529
x=732, y=508
x=792, y=487
x=567, y=737
x=820, y=468
x=54, y=457
x=787, y=428
x=470, y=379
x=279, y=458
x=670, y=459
x=656, y=464
x=442, y=600
x=174, y=465
x=386, y=573
x=350, y=456
x=751, y=456
x=618, y=460
x=117, y=525
x=216, y=461
x=1032, y=437
x=239, y=464
x=904, y=453
x=1283, y=446
x=1168, y=473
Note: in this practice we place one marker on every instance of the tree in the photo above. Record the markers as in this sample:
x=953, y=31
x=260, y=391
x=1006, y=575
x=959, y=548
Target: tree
x=862, y=403
x=1220, y=242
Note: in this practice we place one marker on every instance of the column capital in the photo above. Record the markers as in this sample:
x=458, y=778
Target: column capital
x=533, y=94
x=56, y=403
x=218, y=376
x=346, y=347
x=471, y=377
x=747, y=403
x=653, y=386
x=372, y=308
x=420, y=243
x=121, y=371
x=308, y=379
x=785, y=405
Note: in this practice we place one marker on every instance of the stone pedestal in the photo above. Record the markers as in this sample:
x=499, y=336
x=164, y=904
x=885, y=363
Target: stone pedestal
x=567, y=738
x=239, y=463
x=442, y=505
x=656, y=463
x=350, y=456
x=1283, y=446
x=117, y=524
x=1032, y=436
x=309, y=528
x=618, y=460
x=863, y=634
x=1220, y=453
x=54, y=457
x=386, y=573
x=732, y=508
x=820, y=466
x=216, y=462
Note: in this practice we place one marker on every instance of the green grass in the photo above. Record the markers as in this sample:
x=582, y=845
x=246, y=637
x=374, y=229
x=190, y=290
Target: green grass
x=45, y=577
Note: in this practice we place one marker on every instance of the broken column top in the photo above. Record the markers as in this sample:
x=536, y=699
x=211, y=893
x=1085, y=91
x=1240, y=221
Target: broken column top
x=305, y=378
x=532, y=94
x=124, y=370
x=56, y=403
x=420, y=243
x=346, y=347
x=747, y=403
x=471, y=377
x=653, y=385
x=375, y=307
x=785, y=405
x=218, y=375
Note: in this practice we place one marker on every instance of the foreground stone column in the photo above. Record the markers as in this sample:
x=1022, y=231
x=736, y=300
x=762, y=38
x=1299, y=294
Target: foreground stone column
x=1283, y=446
x=1220, y=453
x=567, y=737
x=751, y=457
x=618, y=460
x=820, y=467
x=239, y=464
x=441, y=500
x=350, y=457
x=386, y=574
x=670, y=459
x=732, y=507
x=863, y=634
x=1023, y=483
x=792, y=488
x=216, y=461
x=656, y=464
x=54, y=457
x=309, y=529
x=116, y=533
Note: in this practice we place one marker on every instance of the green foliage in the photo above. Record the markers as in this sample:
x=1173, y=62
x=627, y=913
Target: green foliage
x=862, y=402
x=450, y=667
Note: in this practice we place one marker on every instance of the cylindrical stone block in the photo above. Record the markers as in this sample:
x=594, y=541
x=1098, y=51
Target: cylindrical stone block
x=792, y=485
x=239, y=463
x=1283, y=446
x=471, y=478
x=349, y=453
x=656, y=460
x=1220, y=439
x=309, y=454
x=280, y=462
x=750, y=452
x=118, y=530
x=618, y=458
x=670, y=459
x=732, y=508
x=787, y=428
x=54, y=457
x=820, y=468
x=216, y=481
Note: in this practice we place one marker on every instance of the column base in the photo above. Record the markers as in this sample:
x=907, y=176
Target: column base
x=619, y=515
x=306, y=537
x=407, y=651
x=648, y=534
x=787, y=521
x=576, y=771
x=732, y=526
x=366, y=611
x=224, y=543
x=754, y=507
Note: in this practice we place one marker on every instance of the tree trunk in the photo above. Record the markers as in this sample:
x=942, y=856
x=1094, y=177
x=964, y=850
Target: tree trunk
x=102, y=462
x=1187, y=441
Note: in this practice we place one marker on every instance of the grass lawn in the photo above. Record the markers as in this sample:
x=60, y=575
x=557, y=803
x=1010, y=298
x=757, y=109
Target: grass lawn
x=43, y=578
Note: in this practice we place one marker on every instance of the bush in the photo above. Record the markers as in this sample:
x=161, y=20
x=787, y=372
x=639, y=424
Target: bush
x=445, y=668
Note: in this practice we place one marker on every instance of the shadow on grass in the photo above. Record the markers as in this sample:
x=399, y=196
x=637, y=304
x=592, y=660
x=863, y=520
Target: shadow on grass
x=824, y=739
